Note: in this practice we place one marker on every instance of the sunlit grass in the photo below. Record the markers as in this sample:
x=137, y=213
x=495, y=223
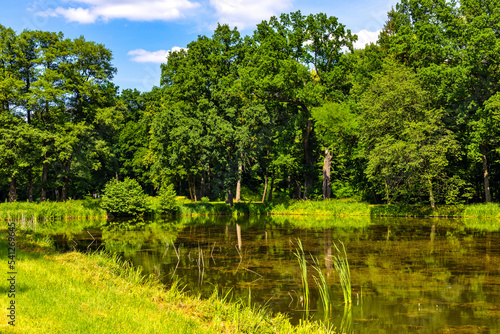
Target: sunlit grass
x=34, y=213
x=99, y=293
x=481, y=210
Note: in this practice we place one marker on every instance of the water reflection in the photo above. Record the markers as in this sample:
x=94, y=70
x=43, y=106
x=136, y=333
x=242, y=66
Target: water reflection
x=408, y=275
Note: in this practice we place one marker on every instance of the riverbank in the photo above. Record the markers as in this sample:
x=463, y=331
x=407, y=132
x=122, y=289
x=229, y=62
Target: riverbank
x=29, y=213
x=342, y=208
x=26, y=212
x=96, y=293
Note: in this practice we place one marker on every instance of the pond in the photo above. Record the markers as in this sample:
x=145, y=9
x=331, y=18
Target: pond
x=407, y=275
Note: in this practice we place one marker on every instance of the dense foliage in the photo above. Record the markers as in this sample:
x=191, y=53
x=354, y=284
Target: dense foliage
x=292, y=111
x=125, y=198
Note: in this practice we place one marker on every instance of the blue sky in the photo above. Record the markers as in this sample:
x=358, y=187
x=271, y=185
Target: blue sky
x=140, y=32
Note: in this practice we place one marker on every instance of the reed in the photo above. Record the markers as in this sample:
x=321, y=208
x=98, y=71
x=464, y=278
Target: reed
x=322, y=287
x=301, y=257
x=342, y=267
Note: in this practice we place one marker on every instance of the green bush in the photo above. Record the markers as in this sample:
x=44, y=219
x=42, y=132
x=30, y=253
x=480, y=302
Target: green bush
x=167, y=198
x=124, y=198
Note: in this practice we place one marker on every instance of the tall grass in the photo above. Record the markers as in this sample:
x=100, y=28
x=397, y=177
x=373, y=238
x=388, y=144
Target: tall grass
x=301, y=257
x=322, y=287
x=342, y=267
x=481, y=210
x=327, y=207
x=71, y=209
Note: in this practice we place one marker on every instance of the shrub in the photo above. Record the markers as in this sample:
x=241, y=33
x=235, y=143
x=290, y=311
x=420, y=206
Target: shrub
x=167, y=198
x=124, y=198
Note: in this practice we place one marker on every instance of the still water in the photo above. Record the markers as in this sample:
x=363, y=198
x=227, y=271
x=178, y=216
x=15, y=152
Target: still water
x=407, y=275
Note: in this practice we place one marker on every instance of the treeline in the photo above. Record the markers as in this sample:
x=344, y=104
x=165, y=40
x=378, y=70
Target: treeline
x=292, y=111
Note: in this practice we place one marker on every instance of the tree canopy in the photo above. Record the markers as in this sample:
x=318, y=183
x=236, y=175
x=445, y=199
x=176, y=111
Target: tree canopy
x=290, y=111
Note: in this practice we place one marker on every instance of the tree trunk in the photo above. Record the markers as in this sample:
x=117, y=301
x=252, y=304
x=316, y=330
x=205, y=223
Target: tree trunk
x=12, y=190
x=308, y=180
x=43, y=196
x=271, y=188
x=431, y=195
x=229, y=198
x=30, y=184
x=67, y=168
x=265, y=185
x=238, y=184
x=387, y=192
x=202, y=184
x=296, y=190
x=194, y=189
x=487, y=193
x=327, y=164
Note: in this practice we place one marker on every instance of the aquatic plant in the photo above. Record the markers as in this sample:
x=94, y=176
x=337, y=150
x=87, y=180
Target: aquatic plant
x=342, y=267
x=301, y=257
x=322, y=287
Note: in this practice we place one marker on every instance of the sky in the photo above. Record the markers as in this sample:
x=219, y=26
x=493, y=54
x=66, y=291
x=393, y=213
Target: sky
x=140, y=33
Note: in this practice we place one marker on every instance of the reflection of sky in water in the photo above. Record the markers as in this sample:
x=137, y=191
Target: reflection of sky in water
x=422, y=276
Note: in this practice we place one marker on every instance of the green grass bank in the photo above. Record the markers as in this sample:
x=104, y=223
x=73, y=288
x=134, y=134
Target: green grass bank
x=96, y=293
x=29, y=213
x=71, y=209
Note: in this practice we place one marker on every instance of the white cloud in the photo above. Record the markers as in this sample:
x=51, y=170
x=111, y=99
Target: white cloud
x=89, y=11
x=245, y=13
x=143, y=56
x=366, y=37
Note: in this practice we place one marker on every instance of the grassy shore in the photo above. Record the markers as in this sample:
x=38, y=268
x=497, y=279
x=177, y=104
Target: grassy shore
x=340, y=208
x=33, y=212
x=96, y=293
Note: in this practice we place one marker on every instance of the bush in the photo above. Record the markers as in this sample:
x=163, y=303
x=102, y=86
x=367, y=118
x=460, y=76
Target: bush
x=124, y=198
x=167, y=197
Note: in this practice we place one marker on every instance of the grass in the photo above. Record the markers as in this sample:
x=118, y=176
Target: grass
x=301, y=257
x=482, y=210
x=407, y=210
x=98, y=293
x=342, y=267
x=34, y=213
x=322, y=287
x=327, y=207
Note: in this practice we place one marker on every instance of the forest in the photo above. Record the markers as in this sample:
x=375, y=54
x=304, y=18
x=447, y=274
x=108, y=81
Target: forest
x=290, y=112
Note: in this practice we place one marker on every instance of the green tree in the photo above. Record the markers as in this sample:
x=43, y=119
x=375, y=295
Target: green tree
x=277, y=73
x=124, y=198
x=454, y=48
x=404, y=137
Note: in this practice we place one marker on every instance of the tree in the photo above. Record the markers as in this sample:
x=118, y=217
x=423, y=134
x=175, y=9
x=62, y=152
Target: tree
x=454, y=48
x=276, y=72
x=404, y=137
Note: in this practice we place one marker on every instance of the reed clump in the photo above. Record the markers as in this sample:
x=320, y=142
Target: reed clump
x=301, y=257
x=341, y=265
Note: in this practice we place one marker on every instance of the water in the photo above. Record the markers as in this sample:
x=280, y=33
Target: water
x=408, y=275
